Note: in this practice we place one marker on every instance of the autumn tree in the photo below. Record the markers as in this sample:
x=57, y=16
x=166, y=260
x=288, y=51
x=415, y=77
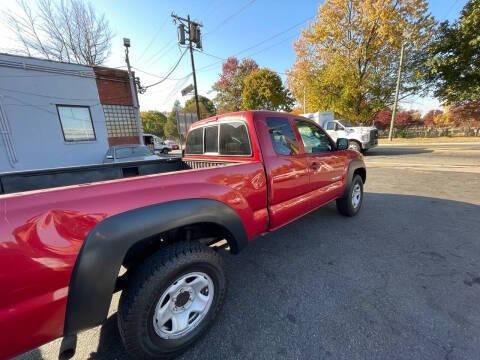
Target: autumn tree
x=455, y=57
x=62, y=30
x=263, y=89
x=153, y=122
x=429, y=119
x=382, y=119
x=403, y=119
x=170, y=129
x=229, y=86
x=207, y=108
x=465, y=114
x=408, y=118
x=347, y=58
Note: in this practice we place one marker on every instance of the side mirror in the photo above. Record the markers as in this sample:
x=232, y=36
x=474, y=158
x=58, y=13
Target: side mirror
x=342, y=144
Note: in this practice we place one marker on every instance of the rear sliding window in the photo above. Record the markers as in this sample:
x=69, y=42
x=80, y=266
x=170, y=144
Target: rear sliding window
x=211, y=139
x=224, y=139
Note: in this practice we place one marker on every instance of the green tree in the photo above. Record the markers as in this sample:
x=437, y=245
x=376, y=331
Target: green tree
x=170, y=129
x=229, y=86
x=347, y=58
x=207, y=108
x=153, y=122
x=263, y=89
x=455, y=57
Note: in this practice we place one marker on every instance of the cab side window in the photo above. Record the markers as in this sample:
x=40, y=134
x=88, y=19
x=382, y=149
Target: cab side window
x=330, y=126
x=314, y=139
x=283, y=138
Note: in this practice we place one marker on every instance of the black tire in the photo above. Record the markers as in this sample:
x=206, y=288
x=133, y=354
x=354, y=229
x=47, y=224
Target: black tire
x=345, y=205
x=354, y=145
x=165, y=151
x=146, y=285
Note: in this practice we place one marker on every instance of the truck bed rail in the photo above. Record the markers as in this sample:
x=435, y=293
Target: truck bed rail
x=19, y=181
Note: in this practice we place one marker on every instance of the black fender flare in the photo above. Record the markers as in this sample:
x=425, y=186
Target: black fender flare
x=354, y=165
x=96, y=269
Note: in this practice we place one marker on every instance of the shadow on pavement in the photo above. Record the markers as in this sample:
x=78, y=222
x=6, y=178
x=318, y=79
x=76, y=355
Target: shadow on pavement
x=400, y=150
x=400, y=280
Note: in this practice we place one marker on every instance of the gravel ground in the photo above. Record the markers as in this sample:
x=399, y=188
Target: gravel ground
x=399, y=281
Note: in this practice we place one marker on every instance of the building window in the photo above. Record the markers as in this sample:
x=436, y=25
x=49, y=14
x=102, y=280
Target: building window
x=121, y=121
x=76, y=123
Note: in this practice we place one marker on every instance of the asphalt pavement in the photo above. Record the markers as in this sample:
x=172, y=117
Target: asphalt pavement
x=399, y=281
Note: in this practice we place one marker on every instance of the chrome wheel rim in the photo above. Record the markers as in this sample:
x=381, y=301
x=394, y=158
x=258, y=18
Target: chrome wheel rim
x=183, y=305
x=353, y=146
x=356, y=195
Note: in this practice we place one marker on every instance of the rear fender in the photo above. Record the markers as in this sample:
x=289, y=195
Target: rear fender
x=96, y=270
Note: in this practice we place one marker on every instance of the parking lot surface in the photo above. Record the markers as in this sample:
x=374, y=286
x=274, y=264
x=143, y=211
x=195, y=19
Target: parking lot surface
x=399, y=281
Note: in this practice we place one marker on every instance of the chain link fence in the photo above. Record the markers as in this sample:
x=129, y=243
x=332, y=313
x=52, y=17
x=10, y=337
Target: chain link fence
x=427, y=132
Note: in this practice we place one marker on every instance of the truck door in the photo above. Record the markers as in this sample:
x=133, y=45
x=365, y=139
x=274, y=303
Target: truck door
x=335, y=130
x=286, y=167
x=326, y=164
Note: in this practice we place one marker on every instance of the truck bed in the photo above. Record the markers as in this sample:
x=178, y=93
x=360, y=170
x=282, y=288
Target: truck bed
x=19, y=181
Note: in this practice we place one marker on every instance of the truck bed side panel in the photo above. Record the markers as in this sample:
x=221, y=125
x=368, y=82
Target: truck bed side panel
x=41, y=233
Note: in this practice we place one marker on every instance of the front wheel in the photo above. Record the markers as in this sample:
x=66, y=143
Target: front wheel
x=170, y=301
x=353, y=145
x=350, y=204
x=165, y=151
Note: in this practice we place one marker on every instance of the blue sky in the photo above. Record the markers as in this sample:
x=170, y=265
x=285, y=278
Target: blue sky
x=229, y=27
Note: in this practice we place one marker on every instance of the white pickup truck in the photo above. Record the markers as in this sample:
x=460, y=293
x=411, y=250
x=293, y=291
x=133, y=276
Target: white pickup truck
x=360, y=138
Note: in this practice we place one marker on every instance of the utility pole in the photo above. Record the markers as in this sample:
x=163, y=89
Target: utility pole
x=133, y=90
x=397, y=91
x=304, y=99
x=192, y=29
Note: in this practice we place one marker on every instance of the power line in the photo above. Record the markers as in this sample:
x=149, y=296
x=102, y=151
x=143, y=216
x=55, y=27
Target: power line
x=274, y=36
x=153, y=39
x=156, y=75
x=162, y=52
x=451, y=8
x=255, y=53
x=230, y=17
x=169, y=73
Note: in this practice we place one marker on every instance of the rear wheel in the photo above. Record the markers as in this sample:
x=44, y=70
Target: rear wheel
x=164, y=151
x=171, y=300
x=350, y=204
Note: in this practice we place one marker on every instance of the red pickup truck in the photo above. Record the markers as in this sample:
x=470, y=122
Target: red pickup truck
x=71, y=237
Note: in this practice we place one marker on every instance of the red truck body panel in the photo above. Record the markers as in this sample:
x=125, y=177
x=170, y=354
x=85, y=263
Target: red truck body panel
x=41, y=232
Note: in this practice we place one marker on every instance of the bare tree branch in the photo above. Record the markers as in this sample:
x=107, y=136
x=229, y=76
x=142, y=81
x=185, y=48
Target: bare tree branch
x=63, y=30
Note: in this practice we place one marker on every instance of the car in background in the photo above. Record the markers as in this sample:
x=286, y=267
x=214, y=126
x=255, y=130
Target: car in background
x=133, y=152
x=156, y=144
x=172, y=144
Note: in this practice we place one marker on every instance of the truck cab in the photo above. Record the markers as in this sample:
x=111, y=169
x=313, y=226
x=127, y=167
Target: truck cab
x=156, y=144
x=361, y=138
